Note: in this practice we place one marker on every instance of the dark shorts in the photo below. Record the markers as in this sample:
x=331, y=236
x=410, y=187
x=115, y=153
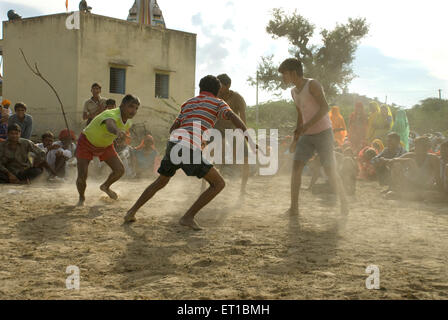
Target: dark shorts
x=168, y=168
x=322, y=143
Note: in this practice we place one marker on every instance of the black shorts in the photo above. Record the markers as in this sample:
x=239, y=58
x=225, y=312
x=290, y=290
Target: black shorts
x=168, y=168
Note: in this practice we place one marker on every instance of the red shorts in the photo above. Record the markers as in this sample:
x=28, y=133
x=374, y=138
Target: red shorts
x=86, y=150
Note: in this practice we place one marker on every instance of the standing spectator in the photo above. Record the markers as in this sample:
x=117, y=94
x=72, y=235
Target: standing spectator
x=358, y=128
x=374, y=112
x=95, y=105
x=23, y=120
x=401, y=127
x=383, y=123
x=338, y=124
x=15, y=163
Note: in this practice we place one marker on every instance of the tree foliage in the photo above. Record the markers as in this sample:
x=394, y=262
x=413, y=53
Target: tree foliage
x=330, y=62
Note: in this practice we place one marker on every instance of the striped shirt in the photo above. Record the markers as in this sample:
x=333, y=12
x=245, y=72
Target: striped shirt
x=198, y=115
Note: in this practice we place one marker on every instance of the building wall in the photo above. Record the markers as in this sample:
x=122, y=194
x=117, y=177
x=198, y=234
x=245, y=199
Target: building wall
x=47, y=42
x=74, y=59
x=141, y=50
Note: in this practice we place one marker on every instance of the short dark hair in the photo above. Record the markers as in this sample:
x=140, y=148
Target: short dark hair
x=20, y=105
x=225, y=79
x=292, y=64
x=111, y=102
x=395, y=136
x=14, y=127
x=129, y=98
x=47, y=134
x=210, y=84
x=369, y=154
x=96, y=85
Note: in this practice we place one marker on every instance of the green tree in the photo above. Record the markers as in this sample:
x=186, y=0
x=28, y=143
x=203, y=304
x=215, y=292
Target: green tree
x=330, y=62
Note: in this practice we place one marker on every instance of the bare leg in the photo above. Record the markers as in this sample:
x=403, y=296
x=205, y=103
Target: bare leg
x=315, y=177
x=147, y=195
x=117, y=172
x=81, y=181
x=296, y=182
x=336, y=183
x=217, y=184
x=203, y=185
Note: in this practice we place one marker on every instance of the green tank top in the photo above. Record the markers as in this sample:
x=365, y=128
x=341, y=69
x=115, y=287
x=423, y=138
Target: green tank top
x=97, y=133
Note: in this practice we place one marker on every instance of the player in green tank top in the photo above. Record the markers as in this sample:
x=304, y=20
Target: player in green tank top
x=97, y=141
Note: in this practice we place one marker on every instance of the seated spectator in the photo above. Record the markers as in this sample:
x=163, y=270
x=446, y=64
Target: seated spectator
x=393, y=150
x=25, y=121
x=415, y=173
x=4, y=118
x=147, y=159
x=15, y=163
x=366, y=169
x=62, y=153
x=125, y=152
x=378, y=145
x=47, y=142
x=6, y=104
x=111, y=104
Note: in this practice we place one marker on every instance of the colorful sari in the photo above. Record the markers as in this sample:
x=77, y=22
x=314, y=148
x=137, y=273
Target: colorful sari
x=402, y=127
x=375, y=111
x=383, y=123
x=358, y=128
x=338, y=124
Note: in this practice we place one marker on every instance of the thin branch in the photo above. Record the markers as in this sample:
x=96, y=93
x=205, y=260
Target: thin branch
x=39, y=74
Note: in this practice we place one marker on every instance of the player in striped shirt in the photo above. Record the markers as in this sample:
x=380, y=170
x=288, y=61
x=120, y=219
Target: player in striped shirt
x=196, y=116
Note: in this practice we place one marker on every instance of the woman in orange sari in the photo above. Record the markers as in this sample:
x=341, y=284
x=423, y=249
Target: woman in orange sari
x=338, y=123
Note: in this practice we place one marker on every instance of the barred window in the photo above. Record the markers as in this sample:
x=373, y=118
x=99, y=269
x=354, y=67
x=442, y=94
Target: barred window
x=162, y=86
x=117, y=80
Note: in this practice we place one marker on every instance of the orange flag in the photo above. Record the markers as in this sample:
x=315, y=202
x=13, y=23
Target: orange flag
x=66, y=5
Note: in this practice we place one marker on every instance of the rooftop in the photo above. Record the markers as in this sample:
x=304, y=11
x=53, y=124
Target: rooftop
x=98, y=17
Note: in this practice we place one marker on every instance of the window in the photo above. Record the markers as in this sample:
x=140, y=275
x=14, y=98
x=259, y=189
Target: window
x=162, y=86
x=117, y=80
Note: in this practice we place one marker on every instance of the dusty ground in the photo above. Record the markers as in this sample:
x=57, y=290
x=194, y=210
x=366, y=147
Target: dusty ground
x=253, y=251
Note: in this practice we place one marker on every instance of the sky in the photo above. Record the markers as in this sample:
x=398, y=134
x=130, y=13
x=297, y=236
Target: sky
x=403, y=58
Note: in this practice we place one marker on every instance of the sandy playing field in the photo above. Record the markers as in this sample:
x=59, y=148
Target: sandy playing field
x=248, y=251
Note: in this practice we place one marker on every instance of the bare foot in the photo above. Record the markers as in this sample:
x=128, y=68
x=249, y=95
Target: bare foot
x=392, y=195
x=292, y=211
x=109, y=192
x=190, y=223
x=81, y=202
x=130, y=218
